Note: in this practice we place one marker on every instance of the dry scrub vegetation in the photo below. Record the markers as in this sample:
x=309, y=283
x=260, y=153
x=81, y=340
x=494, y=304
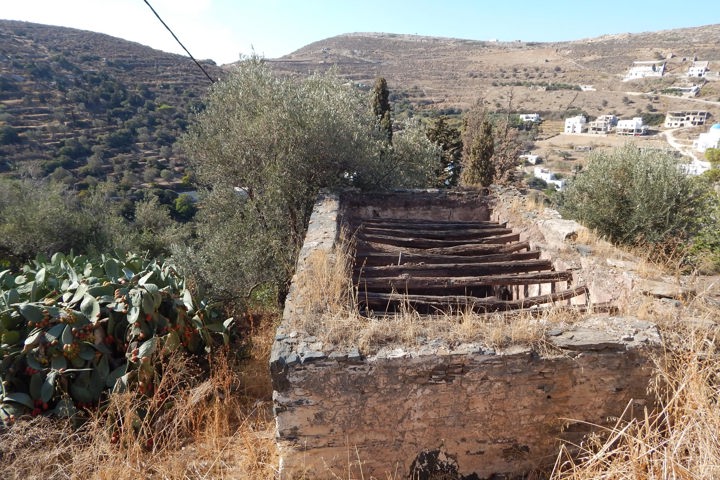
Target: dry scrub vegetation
x=198, y=427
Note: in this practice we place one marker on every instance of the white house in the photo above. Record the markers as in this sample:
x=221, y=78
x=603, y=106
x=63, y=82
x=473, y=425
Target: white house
x=549, y=178
x=687, y=91
x=645, y=69
x=631, y=127
x=697, y=69
x=530, y=158
x=575, y=124
x=530, y=117
x=696, y=167
x=710, y=139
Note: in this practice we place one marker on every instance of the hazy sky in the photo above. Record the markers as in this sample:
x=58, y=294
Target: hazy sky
x=225, y=29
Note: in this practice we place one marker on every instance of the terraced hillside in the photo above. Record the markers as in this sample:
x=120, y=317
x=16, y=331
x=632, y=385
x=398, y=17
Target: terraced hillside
x=82, y=106
x=451, y=74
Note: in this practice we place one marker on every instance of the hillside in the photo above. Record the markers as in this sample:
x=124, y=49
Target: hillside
x=448, y=75
x=82, y=106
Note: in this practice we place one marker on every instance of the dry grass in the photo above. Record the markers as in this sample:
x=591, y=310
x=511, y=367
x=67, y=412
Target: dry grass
x=330, y=313
x=220, y=427
x=678, y=440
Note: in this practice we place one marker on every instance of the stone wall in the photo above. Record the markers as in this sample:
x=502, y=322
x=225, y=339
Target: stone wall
x=493, y=412
x=341, y=414
x=445, y=205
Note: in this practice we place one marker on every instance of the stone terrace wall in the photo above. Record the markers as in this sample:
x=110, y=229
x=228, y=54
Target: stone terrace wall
x=443, y=205
x=342, y=415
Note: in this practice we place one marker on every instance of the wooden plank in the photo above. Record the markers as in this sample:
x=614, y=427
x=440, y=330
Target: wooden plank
x=463, y=234
x=475, y=249
x=368, y=258
x=427, y=303
x=412, y=284
x=461, y=250
x=457, y=269
x=429, y=243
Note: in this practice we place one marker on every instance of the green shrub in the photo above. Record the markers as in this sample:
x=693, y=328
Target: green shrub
x=634, y=197
x=40, y=217
x=9, y=135
x=45, y=217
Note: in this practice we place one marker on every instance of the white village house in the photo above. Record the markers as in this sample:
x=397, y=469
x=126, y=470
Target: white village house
x=698, y=69
x=633, y=127
x=685, y=118
x=549, y=178
x=531, y=158
x=710, y=139
x=645, y=69
x=530, y=117
x=575, y=124
x=602, y=124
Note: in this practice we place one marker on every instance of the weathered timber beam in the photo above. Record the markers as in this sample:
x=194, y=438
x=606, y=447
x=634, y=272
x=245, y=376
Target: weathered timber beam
x=428, y=243
x=401, y=284
x=474, y=249
x=369, y=258
x=457, y=269
x=462, y=250
x=428, y=303
x=469, y=235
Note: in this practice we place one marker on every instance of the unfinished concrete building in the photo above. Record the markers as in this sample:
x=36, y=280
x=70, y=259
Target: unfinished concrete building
x=461, y=407
x=685, y=119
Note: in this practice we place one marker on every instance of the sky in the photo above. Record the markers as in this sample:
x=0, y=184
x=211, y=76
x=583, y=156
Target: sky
x=225, y=30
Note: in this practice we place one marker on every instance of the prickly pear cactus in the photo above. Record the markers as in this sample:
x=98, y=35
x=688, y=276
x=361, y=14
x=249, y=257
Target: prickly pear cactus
x=74, y=328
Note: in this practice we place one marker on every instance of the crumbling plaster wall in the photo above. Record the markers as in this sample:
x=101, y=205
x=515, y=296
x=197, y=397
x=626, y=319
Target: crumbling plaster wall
x=340, y=413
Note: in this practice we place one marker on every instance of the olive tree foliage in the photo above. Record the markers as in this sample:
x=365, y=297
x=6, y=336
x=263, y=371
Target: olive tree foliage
x=40, y=217
x=261, y=151
x=635, y=197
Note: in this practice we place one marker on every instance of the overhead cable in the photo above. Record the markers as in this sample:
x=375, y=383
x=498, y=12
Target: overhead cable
x=179, y=42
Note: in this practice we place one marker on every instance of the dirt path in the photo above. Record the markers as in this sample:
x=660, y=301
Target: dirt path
x=674, y=143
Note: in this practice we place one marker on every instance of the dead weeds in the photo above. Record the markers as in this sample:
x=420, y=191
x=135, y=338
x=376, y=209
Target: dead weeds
x=192, y=428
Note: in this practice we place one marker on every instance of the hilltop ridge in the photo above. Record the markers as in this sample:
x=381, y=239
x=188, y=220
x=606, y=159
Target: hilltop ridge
x=451, y=74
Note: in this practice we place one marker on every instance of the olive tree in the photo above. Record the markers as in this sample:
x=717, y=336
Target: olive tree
x=40, y=217
x=261, y=151
x=634, y=196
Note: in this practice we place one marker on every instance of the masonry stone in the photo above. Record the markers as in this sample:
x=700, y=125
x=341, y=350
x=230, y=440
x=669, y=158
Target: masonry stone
x=461, y=408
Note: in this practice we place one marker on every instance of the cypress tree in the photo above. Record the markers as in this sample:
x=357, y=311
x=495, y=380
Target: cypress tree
x=448, y=139
x=478, y=167
x=381, y=106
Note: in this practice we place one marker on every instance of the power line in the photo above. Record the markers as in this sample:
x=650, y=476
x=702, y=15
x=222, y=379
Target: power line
x=179, y=42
